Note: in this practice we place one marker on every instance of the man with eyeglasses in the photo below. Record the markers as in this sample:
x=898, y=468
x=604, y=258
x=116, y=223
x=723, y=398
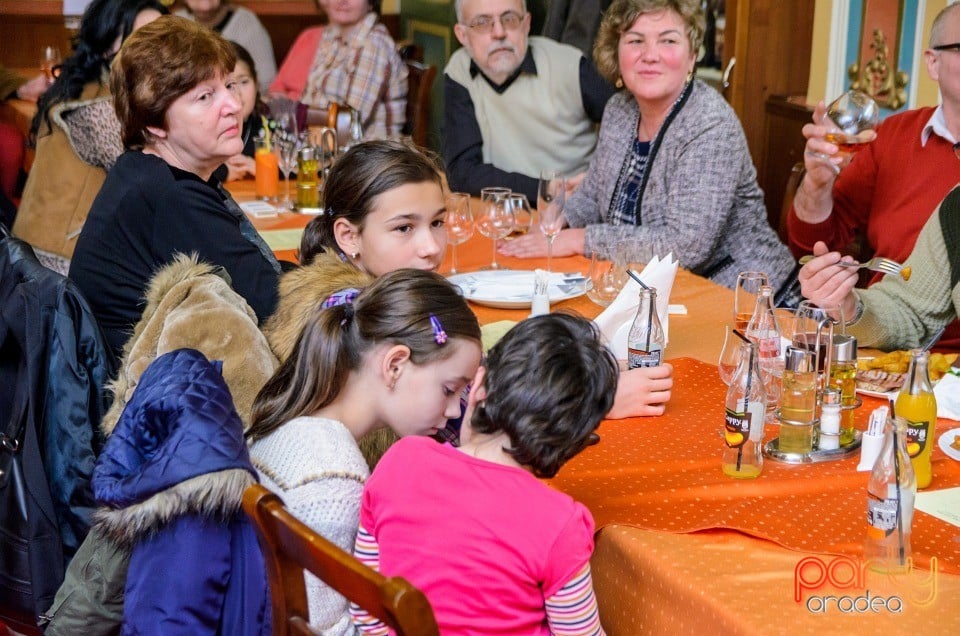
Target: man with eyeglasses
x=516, y=105
x=891, y=187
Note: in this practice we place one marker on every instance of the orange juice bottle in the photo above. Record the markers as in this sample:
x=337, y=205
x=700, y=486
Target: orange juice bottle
x=917, y=405
x=268, y=171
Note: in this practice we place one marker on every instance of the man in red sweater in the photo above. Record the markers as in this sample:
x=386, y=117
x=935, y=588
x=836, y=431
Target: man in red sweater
x=889, y=189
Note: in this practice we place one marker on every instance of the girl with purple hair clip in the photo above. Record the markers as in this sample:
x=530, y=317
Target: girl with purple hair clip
x=397, y=356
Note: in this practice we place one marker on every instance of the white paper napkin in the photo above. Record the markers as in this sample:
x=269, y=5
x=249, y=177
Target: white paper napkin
x=615, y=321
x=947, y=392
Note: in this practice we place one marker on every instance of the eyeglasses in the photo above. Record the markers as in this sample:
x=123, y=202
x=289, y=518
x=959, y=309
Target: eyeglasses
x=484, y=23
x=955, y=47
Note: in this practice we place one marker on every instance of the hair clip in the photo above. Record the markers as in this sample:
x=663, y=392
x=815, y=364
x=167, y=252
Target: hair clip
x=439, y=335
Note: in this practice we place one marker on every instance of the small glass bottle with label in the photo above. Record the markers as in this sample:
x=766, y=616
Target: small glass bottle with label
x=645, y=342
x=917, y=404
x=745, y=413
x=764, y=330
x=890, y=497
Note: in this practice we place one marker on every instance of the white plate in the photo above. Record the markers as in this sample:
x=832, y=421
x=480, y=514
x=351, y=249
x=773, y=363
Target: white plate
x=892, y=393
x=513, y=289
x=946, y=439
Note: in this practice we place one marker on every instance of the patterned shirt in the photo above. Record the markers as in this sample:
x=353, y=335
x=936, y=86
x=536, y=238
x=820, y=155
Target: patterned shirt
x=627, y=194
x=360, y=67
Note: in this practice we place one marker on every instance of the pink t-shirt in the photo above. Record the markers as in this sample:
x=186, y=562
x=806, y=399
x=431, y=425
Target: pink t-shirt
x=292, y=77
x=486, y=543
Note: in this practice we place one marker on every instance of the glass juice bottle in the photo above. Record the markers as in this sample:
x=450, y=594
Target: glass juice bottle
x=798, y=402
x=890, y=496
x=843, y=376
x=645, y=341
x=917, y=405
x=745, y=413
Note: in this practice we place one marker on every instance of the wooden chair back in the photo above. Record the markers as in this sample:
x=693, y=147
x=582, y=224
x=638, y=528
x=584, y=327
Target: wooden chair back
x=290, y=547
x=419, y=84
x=789, y=192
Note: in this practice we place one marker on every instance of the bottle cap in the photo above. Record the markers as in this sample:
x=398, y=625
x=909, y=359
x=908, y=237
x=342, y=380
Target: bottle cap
x=831, y=396
x=844, y=348
x=306, y=153
x=799, y=360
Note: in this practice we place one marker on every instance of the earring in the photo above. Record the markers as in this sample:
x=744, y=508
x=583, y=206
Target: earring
x=355, y=255
x=619, y=82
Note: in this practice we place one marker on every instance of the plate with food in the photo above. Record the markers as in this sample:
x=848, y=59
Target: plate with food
x=885, y=374
x=950, y=443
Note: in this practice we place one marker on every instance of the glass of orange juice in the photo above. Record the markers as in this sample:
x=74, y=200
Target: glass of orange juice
x=268, y=171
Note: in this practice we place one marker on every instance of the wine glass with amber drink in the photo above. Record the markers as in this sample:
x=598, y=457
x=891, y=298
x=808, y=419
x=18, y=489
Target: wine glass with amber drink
x=850, y=121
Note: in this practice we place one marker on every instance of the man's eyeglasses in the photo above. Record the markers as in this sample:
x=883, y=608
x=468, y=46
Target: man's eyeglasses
x=484, y=23
x=955, y=47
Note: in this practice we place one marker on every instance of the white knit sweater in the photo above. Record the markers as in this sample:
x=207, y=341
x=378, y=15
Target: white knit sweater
x=315, y=466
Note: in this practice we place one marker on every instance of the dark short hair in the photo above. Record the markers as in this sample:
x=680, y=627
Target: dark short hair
x=623, y=13
x=358, y=177
x=549, y=382
x=157, y=64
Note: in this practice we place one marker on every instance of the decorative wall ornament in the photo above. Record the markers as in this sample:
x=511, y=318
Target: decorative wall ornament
x=879, y=76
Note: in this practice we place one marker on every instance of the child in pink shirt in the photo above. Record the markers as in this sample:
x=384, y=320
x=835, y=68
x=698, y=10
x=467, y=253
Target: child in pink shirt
x=495, y=550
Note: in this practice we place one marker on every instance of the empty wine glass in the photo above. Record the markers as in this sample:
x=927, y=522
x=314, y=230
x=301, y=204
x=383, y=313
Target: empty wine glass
x=490, y=222
x=522, y=214
x=495, y=220
x=551, y=196
x=286, y=145
x=607, y=278
x=745, y=297
x=850, y=119
x=459, y=224
x=49, y=59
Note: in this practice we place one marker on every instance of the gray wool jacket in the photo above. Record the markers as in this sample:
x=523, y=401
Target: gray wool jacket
x=701, y=200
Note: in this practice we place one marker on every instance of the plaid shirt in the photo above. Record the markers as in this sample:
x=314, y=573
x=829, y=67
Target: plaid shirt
x=360, y=67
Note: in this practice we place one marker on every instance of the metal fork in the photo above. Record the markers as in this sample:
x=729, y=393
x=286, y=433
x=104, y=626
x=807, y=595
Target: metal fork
x=876, y=264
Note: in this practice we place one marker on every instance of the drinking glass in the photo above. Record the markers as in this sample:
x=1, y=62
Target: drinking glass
x=286, y=143
x=606, y=280
x=729, y=358
x=459, y=224
x=850, y=118
x=495, y=220
x=49, y=58
x=522, y=214
x=551, y=195
x=266, y=177
x=745, y=298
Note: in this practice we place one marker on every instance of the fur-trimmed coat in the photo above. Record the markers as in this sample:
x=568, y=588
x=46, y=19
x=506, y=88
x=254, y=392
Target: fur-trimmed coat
x=191, y=305
x=301, y=290
x=171, y=550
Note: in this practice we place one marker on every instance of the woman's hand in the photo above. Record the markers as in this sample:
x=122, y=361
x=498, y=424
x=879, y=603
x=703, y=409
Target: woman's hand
x=574, y=182
x=642, y=392
x=533, y=244
x=239, y=166
x=822, y=280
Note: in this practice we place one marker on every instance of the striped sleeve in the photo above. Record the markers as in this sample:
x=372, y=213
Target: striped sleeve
x=367, y=552
x=572, y=611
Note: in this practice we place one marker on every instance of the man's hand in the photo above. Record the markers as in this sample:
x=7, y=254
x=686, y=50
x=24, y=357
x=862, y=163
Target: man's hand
x=533, y=244
x=823, y=281
x=642, y=392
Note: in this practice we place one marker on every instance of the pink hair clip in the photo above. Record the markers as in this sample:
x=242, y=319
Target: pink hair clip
x=438, y=333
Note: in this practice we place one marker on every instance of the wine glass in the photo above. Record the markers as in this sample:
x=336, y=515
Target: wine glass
x=286, y=144
x=494, y=197
x=522, y=214
x=729, y=358
x=745, y=297
x=49, y=58
x=496, y=218
x=551, y=196
x=850, y=119
x=607, y=278
x=459, y=224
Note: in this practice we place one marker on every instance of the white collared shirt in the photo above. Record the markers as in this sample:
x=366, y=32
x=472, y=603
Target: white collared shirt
x=937, y=124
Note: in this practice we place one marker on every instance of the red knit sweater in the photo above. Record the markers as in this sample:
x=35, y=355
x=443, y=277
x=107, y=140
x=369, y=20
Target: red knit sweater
x=890, y=189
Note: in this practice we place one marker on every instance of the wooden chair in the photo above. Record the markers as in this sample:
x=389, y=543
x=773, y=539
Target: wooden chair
x=290, y=547
x=419, y=84
x=789, y=192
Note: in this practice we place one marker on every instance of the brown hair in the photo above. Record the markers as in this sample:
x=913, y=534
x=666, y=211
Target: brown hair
x=396, y=308
x=623, y=13
x=549, y=382
x=358, y=177
x=157, y=64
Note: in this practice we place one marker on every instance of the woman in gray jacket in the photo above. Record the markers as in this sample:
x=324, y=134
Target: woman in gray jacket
x=672, y=171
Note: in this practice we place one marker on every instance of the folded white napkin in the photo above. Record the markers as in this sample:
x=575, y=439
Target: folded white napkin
x=947, y=392
x=615, y=320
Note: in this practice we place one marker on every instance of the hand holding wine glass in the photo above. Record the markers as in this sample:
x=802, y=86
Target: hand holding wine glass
x=459, y=224
x=551, y=197
x=848, y=123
